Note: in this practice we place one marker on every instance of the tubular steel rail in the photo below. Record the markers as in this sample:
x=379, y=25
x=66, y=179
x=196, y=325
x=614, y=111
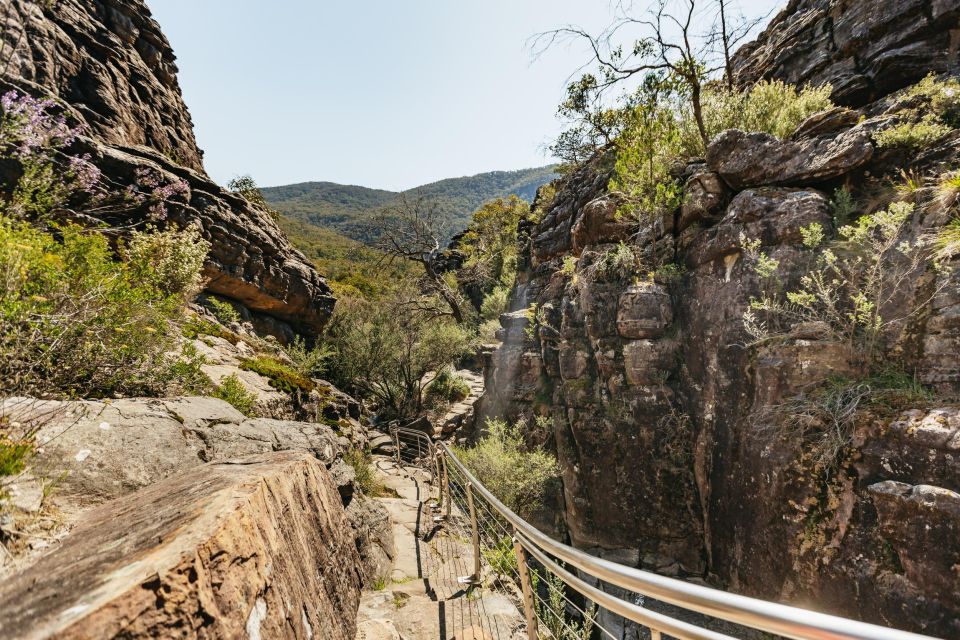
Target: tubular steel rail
x=559, y=585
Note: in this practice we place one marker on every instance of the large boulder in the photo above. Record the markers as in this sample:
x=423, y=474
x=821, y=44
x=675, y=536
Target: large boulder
x=252, y=547
x=759, y=159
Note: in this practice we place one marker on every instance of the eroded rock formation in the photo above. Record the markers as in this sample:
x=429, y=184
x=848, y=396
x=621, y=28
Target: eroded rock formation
x=255, y=547
x=114, y=71
x=864, y=48
x=663, y=417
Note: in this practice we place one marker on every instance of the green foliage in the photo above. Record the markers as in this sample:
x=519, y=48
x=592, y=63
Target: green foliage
x=366, y=473
x=844, y=206
x=661, y=129
x=495, y=303
x=948, y=240
x=14, y=454
x=912, y=135
x=929, y=110
x=195, y=326
x=520, y=477
x=546, y=196
x=281, y=375
x=448, y=387
x=76, y=321
x=385, y=348
x=231, y=390
x=617, y=263
x=223, y=311
x=489, y=246
x=247, y=187
x=349, y=210
x=352, y=268
x=186, y=373
x=501, y=557
x=170, y=261
x=848, y=286
x=310, y=362
x=553, y=614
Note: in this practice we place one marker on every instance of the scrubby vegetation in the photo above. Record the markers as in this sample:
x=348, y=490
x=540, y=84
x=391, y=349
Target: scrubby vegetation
x=385, y=349
x=518, y=475
x=366, y=474
x=927, y=111
x=853, y=287
x=232, y=390
x=247, y=187
x=660, y=129
x=447, y=387
x=222, y=310
x=282, y=376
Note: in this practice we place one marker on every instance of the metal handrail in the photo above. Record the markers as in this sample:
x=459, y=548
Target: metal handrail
x=429, y=460
x=771, y=617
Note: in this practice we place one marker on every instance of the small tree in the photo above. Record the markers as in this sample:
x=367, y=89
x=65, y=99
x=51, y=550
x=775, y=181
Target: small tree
x=414, y=229
x=247, y=187
x=385, y=349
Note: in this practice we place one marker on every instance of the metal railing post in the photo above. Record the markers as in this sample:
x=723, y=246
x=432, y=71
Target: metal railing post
x=529, y=607
x=654, y=634
x=475, y=578
x=444, y=488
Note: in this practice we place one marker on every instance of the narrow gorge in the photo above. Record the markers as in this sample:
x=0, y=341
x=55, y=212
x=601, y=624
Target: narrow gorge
x=720, y=345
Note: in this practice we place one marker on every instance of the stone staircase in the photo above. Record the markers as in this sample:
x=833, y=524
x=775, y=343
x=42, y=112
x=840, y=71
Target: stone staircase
x=423, y=598
x=461, y=413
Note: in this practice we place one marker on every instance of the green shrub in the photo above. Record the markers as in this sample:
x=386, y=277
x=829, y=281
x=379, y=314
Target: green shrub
x=223, y=311
x=76, y=321
x=912, y=135
x=448, y=387
x=495, y=303
x=518, y=476
x=196, y=326
x=843, y=205
x=232, y=390
x=661, y=130
x=309, y=361
x=948, y=240
x=247, y=187
x=850, y=286
x=281, y=376
x=186, y=373
x=553, y=613
x=366, y=473
x=931, y=109
x=501, y=557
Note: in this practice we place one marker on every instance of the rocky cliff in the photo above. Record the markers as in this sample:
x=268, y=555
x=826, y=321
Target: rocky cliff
x=669, y=425
x=114, y=72
x=864, y=48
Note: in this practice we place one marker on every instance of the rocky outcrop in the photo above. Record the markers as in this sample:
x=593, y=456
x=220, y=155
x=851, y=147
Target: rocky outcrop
x=864, y=48
x=110, y=61
x=95, y=452
x=661, y=404
x=252, y=547
x=114, y=72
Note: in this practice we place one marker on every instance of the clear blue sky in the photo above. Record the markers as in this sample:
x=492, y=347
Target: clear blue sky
x=382, y=93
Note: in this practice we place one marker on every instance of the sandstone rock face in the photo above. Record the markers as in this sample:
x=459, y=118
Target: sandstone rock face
x=754, y=159
x=114, y=70
x=103, y=451
x=252, y=547
x=865, y=49
x=111, y=62
x=662, y=405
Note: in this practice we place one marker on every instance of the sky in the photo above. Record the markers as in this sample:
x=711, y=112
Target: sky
x=381, y=93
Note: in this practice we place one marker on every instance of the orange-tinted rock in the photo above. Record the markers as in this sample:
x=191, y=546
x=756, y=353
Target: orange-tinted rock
x=257, y=547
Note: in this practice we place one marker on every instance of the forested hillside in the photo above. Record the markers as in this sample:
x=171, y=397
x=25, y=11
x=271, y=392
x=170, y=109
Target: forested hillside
x=349, y=209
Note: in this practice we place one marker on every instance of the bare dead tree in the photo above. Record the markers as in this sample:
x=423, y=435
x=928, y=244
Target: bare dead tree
x=665, y=39
x=413, y=230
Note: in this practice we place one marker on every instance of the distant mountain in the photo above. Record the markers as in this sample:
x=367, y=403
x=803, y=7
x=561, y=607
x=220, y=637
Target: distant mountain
x=348, y=210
